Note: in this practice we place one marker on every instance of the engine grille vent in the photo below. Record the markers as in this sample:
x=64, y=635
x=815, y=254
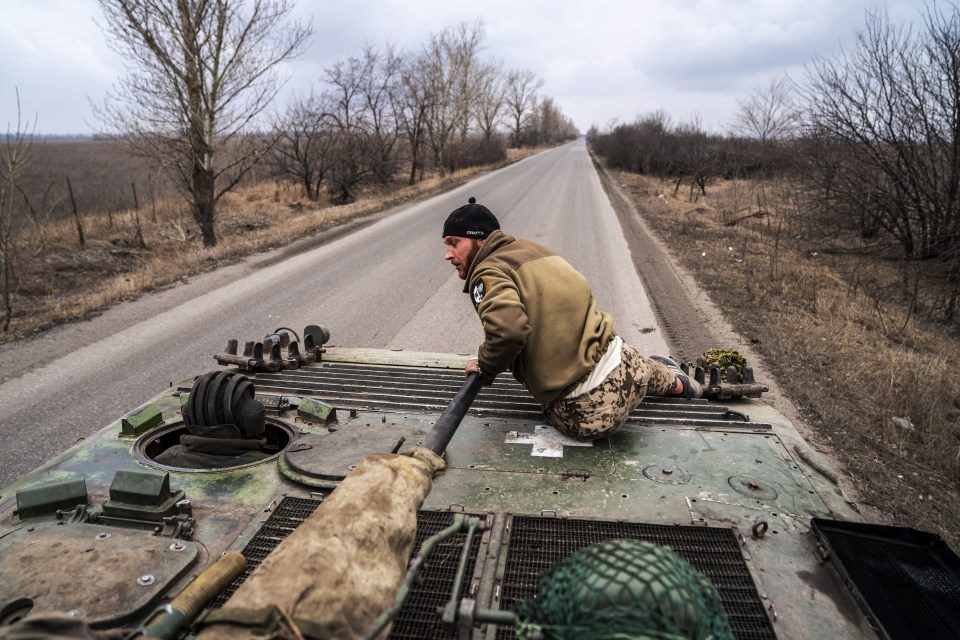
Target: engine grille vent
x=418, y=618
x=429, y=390
x=286, y=517
x=536, y=544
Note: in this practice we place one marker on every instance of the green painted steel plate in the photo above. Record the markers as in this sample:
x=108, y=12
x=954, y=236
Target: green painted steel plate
x=332, y=456
x=131, y=568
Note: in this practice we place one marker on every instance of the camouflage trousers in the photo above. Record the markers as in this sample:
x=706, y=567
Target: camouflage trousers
x=602, y=410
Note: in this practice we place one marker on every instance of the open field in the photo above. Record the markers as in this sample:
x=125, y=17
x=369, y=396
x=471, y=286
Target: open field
x=845, y=331
x=104, y=178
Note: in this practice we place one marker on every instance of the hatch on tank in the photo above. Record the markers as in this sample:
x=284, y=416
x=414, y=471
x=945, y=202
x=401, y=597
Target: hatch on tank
x=278, y=435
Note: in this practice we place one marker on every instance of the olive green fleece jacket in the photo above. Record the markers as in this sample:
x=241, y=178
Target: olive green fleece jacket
x=539, y=316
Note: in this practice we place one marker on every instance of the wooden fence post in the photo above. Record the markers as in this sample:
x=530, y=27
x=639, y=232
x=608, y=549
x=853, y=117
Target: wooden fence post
x=76, y=216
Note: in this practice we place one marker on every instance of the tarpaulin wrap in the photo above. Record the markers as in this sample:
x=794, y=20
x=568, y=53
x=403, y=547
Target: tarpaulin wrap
x=342, y=566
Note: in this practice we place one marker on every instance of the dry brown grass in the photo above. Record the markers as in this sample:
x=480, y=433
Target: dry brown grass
x=845, y=334
x=60, y=282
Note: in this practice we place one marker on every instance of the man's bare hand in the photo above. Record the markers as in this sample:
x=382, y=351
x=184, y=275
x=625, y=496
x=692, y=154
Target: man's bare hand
x=473, y=366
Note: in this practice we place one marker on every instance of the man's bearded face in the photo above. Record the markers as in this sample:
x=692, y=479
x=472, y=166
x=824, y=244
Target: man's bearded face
x=461, y=252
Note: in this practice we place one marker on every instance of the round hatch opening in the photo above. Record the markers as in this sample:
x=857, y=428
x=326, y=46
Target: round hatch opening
x=15, y=611
x=277, y=434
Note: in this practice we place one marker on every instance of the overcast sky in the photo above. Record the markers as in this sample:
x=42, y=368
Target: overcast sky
x=600, y=60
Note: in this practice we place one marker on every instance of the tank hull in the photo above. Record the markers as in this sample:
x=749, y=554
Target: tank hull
x=731, y=486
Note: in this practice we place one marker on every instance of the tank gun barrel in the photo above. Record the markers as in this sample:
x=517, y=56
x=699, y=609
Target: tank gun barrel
x=448, y=422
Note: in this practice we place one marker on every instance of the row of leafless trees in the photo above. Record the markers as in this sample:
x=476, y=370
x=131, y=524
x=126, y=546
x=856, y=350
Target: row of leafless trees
x=439, y=109
x=686, y=153
x=871, y=137
x=200, y=75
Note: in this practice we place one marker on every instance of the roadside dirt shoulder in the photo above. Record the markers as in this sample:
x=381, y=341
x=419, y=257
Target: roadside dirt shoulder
x=691, y=320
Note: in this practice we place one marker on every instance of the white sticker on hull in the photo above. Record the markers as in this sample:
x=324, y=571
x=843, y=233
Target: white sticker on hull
x=547, y=442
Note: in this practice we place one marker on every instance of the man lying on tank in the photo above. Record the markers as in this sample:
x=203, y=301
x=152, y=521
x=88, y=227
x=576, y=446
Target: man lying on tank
x=540, y=321
x=224, y=423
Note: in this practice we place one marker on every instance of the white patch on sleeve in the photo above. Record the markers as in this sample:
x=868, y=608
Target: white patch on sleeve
x=479, y=290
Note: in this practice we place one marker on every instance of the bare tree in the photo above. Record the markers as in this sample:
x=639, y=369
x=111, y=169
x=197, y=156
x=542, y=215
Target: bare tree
x=768, y=114
x=890, y=107
x=697, y=156
x=15, y=158
x=351, y=164
x=449, y=61
x=552, y=125
x=769, y=118
x=489, y=101
x=199, y=74
x=380, y=85
x=520, y=98
x=416, y=103
x=347, y=113
x=304, y=152
x=469, y=70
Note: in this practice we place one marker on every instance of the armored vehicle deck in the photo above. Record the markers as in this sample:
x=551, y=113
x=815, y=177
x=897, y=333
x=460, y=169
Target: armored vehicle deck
x=107, y=533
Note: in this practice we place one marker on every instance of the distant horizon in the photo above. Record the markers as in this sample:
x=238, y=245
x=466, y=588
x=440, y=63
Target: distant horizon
x=65, y=136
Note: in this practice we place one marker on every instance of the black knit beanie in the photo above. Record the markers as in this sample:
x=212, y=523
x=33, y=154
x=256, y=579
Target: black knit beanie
x=470, y=221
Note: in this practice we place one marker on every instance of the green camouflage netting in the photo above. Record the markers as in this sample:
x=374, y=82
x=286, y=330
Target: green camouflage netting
x=623, y=589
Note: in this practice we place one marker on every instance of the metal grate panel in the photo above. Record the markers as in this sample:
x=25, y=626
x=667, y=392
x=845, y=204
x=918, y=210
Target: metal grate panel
x=418, y=620
x=425, y=390
x=536, y=544
x=286, y=517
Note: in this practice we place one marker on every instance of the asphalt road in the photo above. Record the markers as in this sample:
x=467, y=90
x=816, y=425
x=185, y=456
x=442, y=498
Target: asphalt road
x=385, y=285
